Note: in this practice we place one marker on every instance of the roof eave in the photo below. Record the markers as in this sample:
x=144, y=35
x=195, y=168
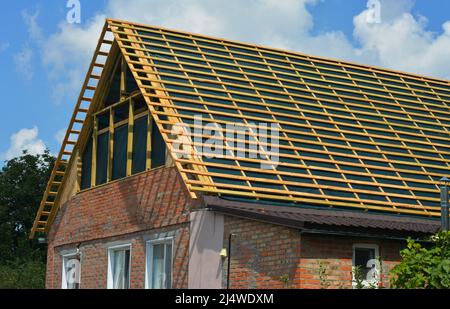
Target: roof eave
x=328, y=221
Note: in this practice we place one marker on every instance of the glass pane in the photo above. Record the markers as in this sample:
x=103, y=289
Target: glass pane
x=71, y=273
x=168, y=266
x=158, y=266
x=362, y=256
x=127, y=270
x=120, y=269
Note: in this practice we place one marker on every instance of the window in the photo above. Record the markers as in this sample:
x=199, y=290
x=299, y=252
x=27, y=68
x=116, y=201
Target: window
x=71, y=271
x=119, y=258
x=366, y=265
x=159, y=264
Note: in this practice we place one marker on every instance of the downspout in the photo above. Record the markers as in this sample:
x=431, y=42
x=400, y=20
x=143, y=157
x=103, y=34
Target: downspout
x=229, y=260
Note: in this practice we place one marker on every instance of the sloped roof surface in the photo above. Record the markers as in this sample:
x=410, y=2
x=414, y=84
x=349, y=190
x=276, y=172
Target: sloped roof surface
x=350, y=135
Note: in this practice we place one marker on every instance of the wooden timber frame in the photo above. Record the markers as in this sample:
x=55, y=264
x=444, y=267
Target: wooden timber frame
x=88, y=128
x=366, y=108
x=137, y=41
x=66, y=156
x=166, y=106
x=133, y=115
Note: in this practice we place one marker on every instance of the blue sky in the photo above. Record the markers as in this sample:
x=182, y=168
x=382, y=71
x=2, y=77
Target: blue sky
x=44, y=58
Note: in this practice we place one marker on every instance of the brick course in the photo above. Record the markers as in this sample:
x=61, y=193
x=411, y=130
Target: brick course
x=272, y=256
x=130, y=210
x=264, y=255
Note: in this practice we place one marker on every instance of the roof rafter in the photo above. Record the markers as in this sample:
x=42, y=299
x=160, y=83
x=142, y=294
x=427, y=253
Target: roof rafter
x=352, y=136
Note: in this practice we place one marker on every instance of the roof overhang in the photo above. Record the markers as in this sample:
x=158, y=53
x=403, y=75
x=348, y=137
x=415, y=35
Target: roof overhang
x=327, y=221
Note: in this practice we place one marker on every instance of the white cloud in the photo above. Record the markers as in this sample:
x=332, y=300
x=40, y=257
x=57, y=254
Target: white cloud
x=4, y=46
x=23, y=61
x=59, y=135
x=34, y=30
x=25, y=139
x=257, y=21
x=68, y=53
x=401, y=41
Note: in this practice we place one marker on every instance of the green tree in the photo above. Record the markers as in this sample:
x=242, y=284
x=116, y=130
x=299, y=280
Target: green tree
x=22, y=183
x=427, y=268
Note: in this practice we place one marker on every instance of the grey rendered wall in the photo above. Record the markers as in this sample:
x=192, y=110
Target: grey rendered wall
x=206, y=241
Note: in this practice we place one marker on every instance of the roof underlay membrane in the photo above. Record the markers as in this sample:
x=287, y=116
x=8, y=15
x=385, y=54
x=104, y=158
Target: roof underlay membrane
x=350, y=136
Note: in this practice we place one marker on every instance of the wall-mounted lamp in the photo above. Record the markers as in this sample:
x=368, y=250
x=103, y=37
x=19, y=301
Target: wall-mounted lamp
x=223, y=253
x=444, y=204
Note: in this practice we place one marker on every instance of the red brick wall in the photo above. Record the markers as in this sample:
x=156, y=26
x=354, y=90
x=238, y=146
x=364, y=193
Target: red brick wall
x=335, y=254
x=260, y=253
x=127, y=210
x=156, y=202
x=272, y=256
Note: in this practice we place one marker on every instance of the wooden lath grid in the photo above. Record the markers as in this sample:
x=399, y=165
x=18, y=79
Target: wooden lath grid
x=335, y=101
x=379, y=136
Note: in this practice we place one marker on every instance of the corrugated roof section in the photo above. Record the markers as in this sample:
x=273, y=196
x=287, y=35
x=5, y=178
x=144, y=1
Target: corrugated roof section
x=325, y=220
x=349, y=135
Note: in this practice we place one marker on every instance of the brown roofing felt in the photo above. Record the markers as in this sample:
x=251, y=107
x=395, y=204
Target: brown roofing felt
x=325, y=219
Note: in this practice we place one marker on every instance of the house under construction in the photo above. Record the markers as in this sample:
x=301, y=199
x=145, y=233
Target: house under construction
x=144, y=197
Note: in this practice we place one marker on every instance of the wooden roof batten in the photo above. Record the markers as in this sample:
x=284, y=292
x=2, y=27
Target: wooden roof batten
x=307, y=92
x=50, y=201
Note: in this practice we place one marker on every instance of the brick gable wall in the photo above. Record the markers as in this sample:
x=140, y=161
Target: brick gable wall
x=156, y=203
x=131, y=210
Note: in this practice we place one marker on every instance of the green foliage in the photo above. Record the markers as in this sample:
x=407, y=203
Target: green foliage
x=358, y=278
x=22, y=274
x=324, y=271
x=427, y=268
x=22, y=183
x=286, y=280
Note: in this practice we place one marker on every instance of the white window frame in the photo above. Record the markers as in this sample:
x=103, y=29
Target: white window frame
x=149, y=258
x=65, y=255
x=111, y=249
x=377, y=256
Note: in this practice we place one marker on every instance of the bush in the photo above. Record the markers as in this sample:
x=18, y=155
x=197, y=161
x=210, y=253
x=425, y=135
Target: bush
x=22, y=182
x=22, y=275
x=426, y=268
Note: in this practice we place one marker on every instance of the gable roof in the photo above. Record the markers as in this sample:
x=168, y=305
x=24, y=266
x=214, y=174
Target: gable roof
x=351, y=136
